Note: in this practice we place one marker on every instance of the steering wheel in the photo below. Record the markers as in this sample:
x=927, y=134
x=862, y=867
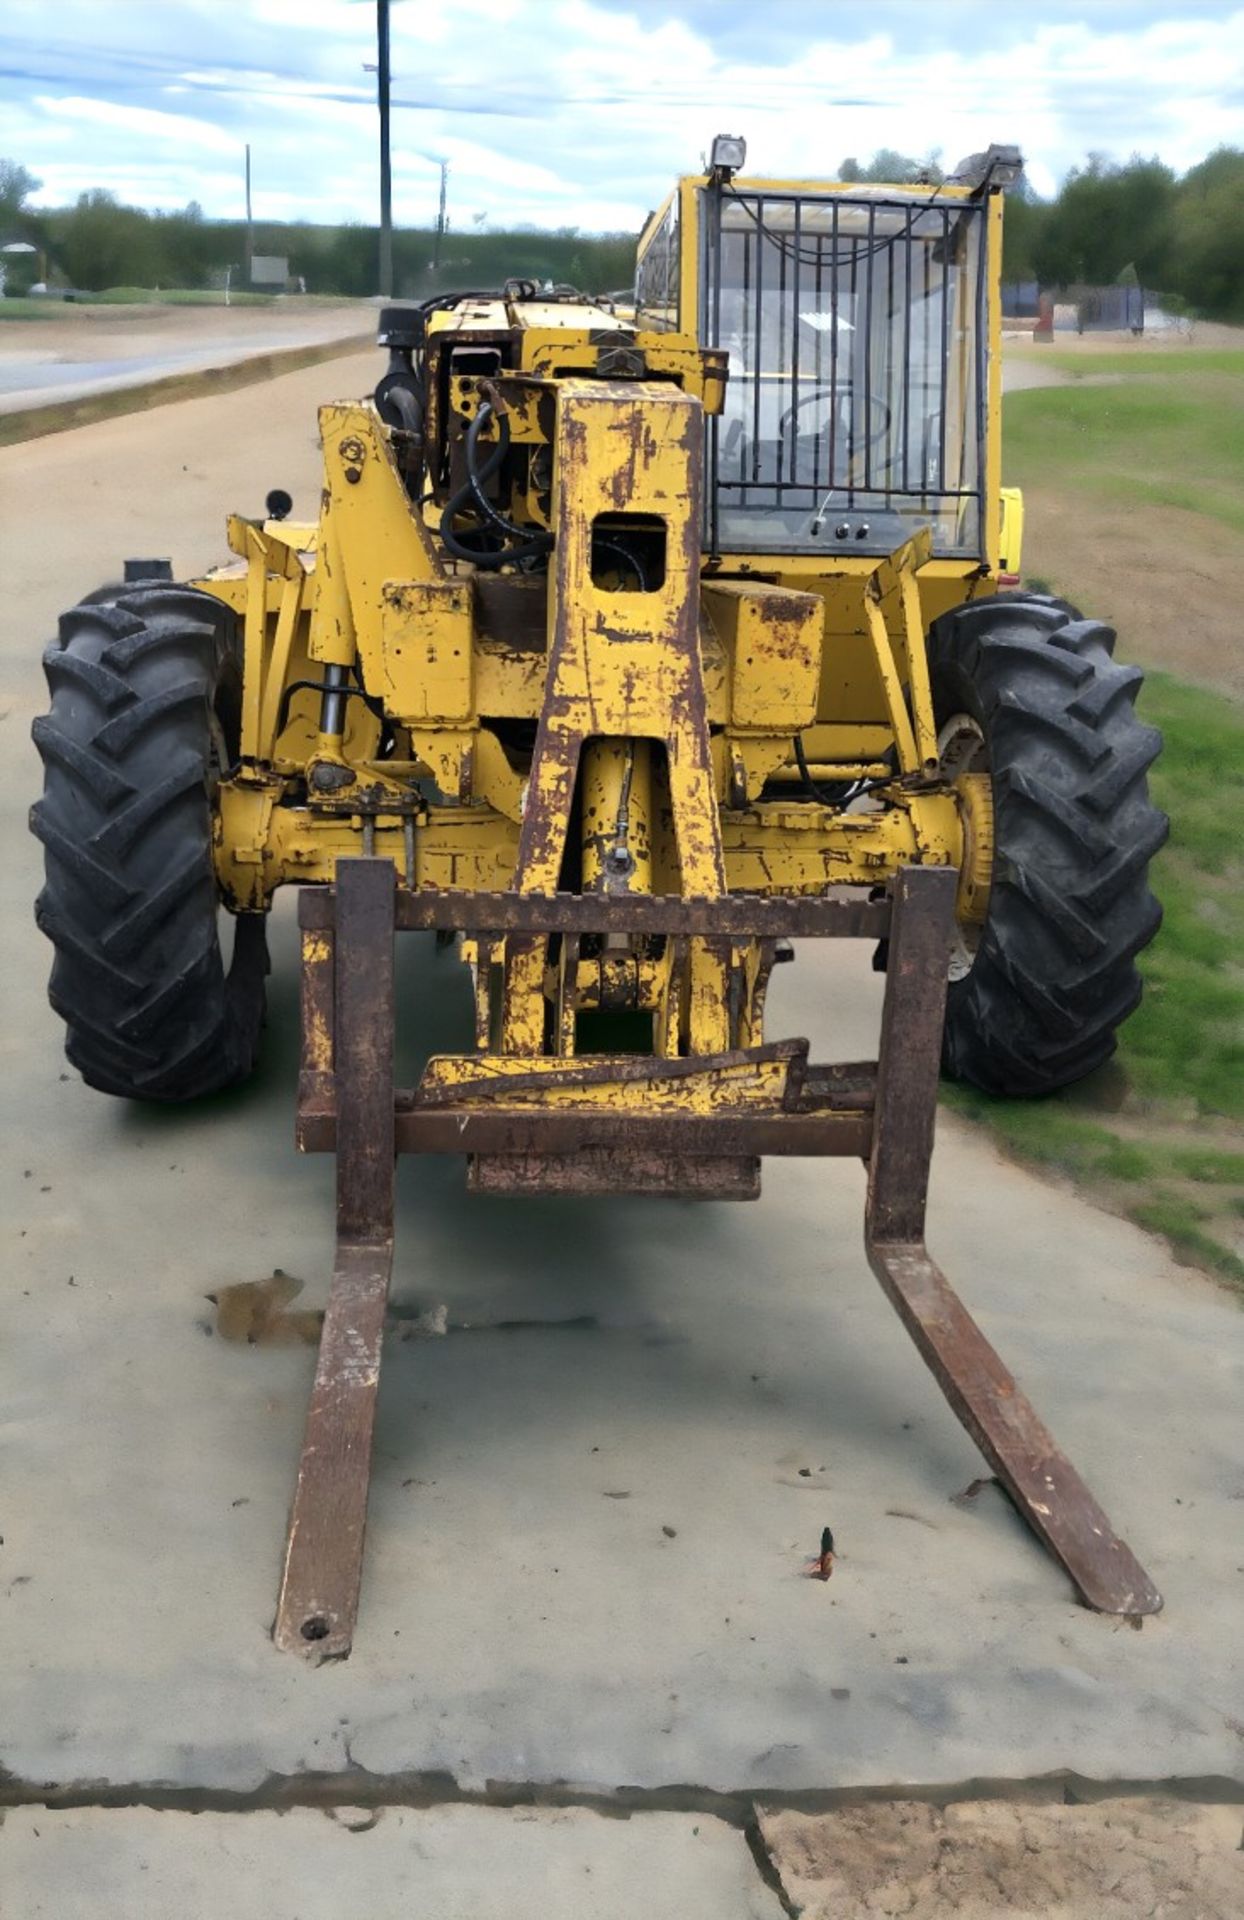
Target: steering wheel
x=842, y=399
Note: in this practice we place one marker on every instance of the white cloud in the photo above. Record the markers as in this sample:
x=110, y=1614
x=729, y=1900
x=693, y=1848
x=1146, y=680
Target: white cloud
x=139, y=123
x=575, y=112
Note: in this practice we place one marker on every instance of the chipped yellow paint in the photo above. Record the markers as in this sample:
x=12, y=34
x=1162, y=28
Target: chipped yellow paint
x=665, y=710
x=375, y=535
x=427, y=642
x=615, y=799
x=276, y=673
x=974, y=793
x=546, y=1081
x=770, y=848
x=317, y=1040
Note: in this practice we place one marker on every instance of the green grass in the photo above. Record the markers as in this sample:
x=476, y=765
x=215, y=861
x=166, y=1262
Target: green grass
x=1180, y=1223
x=1173, y=442
x=1180, y=1064
x=1185, y=1044
x=19, y=308
x=1210, y=1165
x=177, y=297
x=1046, y=1132
x=1158, y=363
x=1159, y=1134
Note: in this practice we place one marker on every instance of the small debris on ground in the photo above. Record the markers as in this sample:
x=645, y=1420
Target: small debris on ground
x=822, y=1567
x=431, y=1324
x=253, y=1313
x=905, y=1513
x=974, y=1487
x=355, y=1819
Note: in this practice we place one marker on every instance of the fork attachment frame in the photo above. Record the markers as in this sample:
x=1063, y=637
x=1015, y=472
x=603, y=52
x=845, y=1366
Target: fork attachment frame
x=882, y=1113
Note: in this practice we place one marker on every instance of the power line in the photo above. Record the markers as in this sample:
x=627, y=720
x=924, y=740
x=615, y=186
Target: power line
x=498, y=105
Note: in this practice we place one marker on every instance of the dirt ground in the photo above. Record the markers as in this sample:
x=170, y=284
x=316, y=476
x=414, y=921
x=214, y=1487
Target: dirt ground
x=1127, y=1859
x=1186, y=333
x=1169, y=580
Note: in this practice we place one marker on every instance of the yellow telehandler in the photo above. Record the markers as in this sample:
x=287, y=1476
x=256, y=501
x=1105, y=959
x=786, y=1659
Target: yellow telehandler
x=628, y=645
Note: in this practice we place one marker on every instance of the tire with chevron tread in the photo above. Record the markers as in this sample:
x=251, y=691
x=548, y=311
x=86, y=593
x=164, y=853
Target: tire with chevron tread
x=1054, y=973
x=146, y=695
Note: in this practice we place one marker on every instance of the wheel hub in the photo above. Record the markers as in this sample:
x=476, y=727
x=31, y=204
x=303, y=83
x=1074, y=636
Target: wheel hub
x=965, y=763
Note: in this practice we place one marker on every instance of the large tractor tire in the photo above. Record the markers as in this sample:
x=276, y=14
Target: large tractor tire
x=1025, y=690
x=146, y=699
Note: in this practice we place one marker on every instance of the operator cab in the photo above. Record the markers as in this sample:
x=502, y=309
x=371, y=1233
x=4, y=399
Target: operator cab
x=856, y=321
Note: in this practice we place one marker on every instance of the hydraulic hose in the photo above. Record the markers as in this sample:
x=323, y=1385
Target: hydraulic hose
x=842, y=791
x=624, y=554
x=529, y=546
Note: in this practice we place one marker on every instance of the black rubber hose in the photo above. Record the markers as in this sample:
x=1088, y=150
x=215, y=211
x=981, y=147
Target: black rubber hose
x=533, y=543
x=624, y=553
x=458, y=544
x=373, y=705
x=407, y=404
x=473, y=493
x=847, y=790
x=844, y=789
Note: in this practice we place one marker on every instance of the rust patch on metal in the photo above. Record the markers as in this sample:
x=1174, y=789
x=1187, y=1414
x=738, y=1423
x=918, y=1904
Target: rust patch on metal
x=324, y=1548
x=596, y=1172
x=734, y=916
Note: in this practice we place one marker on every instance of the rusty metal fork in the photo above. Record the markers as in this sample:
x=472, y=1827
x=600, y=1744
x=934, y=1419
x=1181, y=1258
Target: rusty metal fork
x=324, y=1549
x=1041, y=1481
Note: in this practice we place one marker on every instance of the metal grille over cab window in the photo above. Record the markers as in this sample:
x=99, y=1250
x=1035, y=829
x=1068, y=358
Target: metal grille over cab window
x=854, y=410
x=656, y=277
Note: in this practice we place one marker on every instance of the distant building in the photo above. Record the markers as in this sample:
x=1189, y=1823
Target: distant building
x=270, y=270
x=20, y=264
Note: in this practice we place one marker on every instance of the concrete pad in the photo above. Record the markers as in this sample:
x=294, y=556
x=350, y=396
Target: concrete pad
x=449, y=1863
x=980, y=1860
x=594, y=1496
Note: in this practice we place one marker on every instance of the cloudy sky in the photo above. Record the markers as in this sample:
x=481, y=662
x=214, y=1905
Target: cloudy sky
x=581, y=112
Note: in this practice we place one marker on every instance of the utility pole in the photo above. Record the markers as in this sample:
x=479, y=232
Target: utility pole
x=386, y=176
x=250, y=235
x=440, y=217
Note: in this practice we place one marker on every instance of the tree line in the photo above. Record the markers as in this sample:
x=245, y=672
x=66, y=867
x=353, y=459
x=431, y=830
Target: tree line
x=99, y=243
x=1180, y=236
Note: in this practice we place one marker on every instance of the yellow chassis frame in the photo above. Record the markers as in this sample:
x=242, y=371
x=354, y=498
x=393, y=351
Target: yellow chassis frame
x=676, y=708
x=366, y=584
